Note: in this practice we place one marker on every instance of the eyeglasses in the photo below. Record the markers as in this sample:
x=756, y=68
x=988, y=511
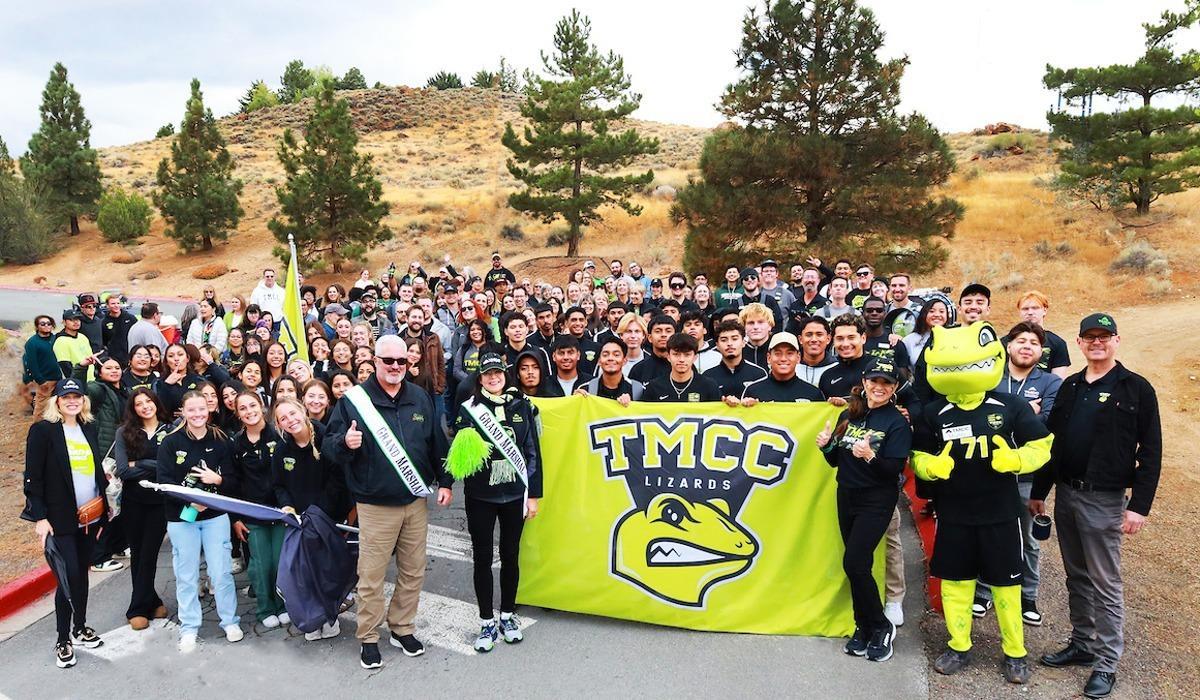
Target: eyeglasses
x=392, y=361
x=1089, y=339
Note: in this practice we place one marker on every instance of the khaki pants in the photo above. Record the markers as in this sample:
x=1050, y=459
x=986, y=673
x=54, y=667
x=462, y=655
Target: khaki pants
x=382, y=530
x=41, y=397
x=894, y=581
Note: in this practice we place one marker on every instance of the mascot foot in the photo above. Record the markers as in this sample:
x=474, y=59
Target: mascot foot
x=951, y=662
x=1016, y=670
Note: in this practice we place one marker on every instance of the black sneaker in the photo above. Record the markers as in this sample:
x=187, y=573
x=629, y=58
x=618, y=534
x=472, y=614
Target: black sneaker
x=951, y=662
x=980, y=607
x=1016, y=670
x=1029, y=612
x=1071, y=655
x=368, y=656
x=857, y=646
x=880, y=646
x=408, y=644
x=87, y=638
x=64, y=655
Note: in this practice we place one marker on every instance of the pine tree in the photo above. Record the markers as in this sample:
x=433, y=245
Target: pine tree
x=444, y=81
x=823, y=163
x=257, y=96
x=294, y=81
x=197, y=193
x=485, y=79
x=352, y=80
x=1132, y=156
x=565, y=154
x=331, y=201
x=60, y=160
x=7, y=167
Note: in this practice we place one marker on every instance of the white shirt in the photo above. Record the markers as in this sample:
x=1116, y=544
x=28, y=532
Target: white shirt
x=269, y=299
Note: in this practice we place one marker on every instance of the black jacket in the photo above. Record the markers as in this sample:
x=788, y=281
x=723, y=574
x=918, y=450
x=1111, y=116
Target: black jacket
x=179, y=452
x=49, y=489
x=115, y=333
x=521, y=422
x=144, y=465
x=252, y=467
x=299, y=478
x=370, y=477
x=1126, y=446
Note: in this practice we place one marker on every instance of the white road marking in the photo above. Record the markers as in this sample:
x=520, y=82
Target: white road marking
x=125, y=641
x=454, y=545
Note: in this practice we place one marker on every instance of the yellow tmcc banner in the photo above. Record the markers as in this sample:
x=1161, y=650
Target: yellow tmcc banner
x=691, y=515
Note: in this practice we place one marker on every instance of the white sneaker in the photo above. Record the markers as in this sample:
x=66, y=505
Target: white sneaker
x=312, y=636
x=510, y=629
x=270, y=622
x=331, y=631
x=234, y=633
x=285, y=619
x=187, y=643
x=893, y=610
x=123, y=554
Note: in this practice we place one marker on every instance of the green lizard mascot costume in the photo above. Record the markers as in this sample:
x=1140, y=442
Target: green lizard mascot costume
x=971, y=443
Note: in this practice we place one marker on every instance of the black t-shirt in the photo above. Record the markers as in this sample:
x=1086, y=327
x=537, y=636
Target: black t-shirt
x=733, y=382
x=976, y=494
x=880, y=347
x=497, y=273
x=844, y=376
x=623, y=388
x=794, y=390
x=808, y=308
x=856, y=297
x=666, y=390
x=1081, y=428
x=1054, y=354
x=650, y=367
x=589, y=353
x=891, y=438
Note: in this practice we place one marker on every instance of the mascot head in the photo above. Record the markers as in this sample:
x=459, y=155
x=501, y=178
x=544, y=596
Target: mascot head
x=965, y=359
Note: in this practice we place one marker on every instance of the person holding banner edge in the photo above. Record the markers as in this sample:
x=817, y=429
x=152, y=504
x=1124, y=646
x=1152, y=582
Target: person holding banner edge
x=496, y=454
x=384, y=434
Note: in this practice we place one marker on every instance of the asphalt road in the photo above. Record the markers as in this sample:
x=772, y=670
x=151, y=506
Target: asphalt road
x=19, y=306
x=563, y=654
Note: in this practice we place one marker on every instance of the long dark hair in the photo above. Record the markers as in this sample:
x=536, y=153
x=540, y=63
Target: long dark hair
x=922, y=325
x=131, y=427
x=856, y=408
x=483, y=326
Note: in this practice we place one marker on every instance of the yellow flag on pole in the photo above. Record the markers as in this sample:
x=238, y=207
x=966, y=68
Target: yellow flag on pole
x=291, y=329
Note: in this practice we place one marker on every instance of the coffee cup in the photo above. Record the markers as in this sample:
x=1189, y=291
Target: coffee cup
x=1041, y=527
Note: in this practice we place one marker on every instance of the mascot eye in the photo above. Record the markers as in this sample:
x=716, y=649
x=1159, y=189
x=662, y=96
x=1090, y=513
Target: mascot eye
x=987, y=336
x=674, y=513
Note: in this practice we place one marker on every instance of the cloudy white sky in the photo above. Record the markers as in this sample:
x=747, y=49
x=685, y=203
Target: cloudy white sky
x=972, y=61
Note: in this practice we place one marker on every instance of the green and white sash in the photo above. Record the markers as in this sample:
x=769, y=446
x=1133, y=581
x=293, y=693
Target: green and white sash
x=494, y=433
x=388, y=443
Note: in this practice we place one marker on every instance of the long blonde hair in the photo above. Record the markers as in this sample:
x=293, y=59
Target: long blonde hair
x=312, y=432
x=53, y=415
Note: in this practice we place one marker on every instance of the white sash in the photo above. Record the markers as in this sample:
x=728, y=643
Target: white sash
x=494, y=432
x=387, y=441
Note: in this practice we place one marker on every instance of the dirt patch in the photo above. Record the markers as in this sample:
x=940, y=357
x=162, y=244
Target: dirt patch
x=21, y=551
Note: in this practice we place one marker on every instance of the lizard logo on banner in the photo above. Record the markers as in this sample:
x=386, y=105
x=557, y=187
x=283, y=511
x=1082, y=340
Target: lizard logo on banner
x=688, y=481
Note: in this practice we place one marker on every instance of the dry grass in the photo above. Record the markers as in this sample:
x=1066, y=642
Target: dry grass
x=210, y=272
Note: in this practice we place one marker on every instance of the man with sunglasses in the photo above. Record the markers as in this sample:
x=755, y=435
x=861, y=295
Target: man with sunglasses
x=41, y=365
x=89, y=322
x=874, y=310
x=392, y=517
x=1107, y=439
x=864, y=276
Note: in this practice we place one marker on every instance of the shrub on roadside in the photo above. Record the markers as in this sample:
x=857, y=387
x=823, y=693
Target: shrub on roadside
x=1138, y=257
x=124, y=217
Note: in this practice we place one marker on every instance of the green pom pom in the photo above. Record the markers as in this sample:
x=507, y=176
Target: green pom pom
x=468, y=453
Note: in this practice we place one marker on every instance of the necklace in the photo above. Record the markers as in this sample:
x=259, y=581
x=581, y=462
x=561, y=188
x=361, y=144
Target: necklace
x=678, y=390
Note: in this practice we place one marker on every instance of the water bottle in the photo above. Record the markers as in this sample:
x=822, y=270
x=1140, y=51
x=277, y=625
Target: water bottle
x=189, y=512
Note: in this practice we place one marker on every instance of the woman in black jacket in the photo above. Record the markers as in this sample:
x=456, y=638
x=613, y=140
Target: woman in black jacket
x=136, y=453
x=63, y=481
x=868, y=448
x=253, y=448
x=179, y=378
x=495, y=491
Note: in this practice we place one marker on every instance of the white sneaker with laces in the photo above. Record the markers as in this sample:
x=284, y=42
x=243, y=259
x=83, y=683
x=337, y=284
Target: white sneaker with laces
x=270, y=622
x=893, y=610
x=285, y=619
x=234, y=633
x=510, y=628
x=187, y=643
x=331, y=631
x=488, y=636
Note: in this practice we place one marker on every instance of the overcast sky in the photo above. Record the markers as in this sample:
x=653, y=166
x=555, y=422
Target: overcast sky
x=972, y=61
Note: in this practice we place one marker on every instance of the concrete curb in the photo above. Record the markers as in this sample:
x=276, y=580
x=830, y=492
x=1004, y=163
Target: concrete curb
x=22, y=591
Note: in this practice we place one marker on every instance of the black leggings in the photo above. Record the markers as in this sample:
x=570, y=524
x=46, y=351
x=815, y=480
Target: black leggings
x=146, y=525
x=76, y=549
x=863, y=516
x=481, y=521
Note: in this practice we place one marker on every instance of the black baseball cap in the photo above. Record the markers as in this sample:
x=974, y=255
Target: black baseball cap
x=491, y=362
x=656, y=282
x=749, y=272
x=882, y=368
x=769, y=263
x=72, y=313
x=975, y=288
x=449, y=289
x=1099, y=321
x=66, y=386
x=87, y=298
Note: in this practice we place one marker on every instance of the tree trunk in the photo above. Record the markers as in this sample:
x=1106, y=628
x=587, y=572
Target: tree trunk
x=207, y=242
x=573, y=235
x=74, y=225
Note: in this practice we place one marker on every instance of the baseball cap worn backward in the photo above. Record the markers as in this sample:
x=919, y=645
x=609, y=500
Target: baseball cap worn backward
x=1098, y=321
x=66, y=386
x=783, y=338
x=976, y=288
x=87, y=298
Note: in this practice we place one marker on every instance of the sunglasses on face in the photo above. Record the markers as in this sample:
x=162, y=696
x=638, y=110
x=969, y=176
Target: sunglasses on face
x=863, y=273
x=678, y=286
x=46, y=323
x=392, y=361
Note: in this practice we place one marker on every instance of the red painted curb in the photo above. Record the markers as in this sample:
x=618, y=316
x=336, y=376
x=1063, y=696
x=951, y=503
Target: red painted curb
x=926, y=526
x=19, y=592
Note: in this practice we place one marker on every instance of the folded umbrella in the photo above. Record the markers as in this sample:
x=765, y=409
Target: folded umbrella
x=58, y=566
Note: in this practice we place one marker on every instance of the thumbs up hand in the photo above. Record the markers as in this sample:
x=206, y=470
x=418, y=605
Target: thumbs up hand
x=354, y=436
x=825, y=435
x=1005, y=459
x=941, y=465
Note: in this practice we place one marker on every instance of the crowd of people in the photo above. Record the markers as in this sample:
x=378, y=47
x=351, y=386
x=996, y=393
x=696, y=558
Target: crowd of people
x=399, y=364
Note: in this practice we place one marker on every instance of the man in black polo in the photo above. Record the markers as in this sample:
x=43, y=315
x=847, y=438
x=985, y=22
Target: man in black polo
x=1108, y=438
x=655, y=364
x=782, y=384
x=808, y=300
x=682, y=384
x=565, y=356
x=576, y=325
x=733, y=373
x=849, y=340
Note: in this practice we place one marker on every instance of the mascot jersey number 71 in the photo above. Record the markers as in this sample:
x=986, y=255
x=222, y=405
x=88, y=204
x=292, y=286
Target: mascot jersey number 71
x=972, y=443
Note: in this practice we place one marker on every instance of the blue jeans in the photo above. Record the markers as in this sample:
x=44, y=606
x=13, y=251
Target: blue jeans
x=187, y=540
